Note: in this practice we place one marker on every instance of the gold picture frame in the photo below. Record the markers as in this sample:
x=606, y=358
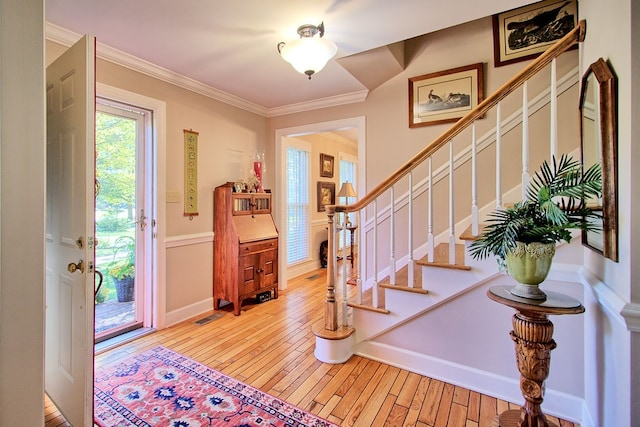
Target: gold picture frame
x=326, y=194
x=525, y=32
x=326, y=165
x=445, y=96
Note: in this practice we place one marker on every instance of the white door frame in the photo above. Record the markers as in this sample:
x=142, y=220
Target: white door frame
x=158, y=108
x=280, y=206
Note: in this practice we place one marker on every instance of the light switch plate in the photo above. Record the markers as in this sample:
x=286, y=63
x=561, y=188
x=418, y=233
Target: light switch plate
x=174, y=197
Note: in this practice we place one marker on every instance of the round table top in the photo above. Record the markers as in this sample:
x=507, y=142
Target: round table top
x=556, y=303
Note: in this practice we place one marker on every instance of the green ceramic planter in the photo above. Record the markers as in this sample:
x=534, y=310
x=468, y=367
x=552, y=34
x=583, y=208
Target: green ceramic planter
x=529, y=265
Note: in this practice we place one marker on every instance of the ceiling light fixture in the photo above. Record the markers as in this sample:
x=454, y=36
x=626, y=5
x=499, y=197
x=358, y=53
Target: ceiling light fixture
x=308, y=54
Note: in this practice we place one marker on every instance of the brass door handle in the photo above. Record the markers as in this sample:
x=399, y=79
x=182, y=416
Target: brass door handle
x=72, y=267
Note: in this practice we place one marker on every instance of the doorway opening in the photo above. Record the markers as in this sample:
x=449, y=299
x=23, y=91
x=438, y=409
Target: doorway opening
x=123, y=213
x=316, y=226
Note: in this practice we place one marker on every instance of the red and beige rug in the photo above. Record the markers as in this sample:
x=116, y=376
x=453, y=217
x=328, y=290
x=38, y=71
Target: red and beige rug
x=163, y=388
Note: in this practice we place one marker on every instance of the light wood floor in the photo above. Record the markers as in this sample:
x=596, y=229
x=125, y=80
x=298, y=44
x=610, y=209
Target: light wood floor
x=270, y=346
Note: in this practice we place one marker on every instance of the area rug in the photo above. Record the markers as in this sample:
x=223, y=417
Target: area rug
x=163, y=388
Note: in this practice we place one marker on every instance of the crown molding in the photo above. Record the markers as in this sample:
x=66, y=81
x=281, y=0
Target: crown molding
x=339, y=139
x=67, y=38
x=330, y=101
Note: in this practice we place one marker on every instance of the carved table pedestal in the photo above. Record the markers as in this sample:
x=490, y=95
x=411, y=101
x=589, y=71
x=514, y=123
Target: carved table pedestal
x=532, y=334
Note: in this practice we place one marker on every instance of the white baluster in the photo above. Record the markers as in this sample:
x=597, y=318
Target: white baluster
x=410, y=265
x=498, y=157
x=525, y=140
x=452, y=227
x=343, y=286
x=392, y=240
x=554, y=111
x=475, y=215
x=375, y=253
x=430, y=242
x=361, y=257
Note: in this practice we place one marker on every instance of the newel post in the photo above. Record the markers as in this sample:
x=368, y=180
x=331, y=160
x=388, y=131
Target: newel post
x=331, y=306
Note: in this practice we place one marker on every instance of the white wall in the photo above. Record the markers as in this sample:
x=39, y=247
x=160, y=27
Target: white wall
x=22, y=145
x=612, y=377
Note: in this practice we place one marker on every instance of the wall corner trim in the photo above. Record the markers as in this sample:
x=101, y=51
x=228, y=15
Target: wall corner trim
x=631, y=314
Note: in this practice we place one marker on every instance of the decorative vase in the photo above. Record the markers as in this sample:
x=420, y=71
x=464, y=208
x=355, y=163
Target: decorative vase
x=529, y=264
x=257, y=170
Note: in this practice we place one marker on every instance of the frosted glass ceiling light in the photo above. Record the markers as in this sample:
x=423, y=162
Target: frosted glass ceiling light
x=308, y=54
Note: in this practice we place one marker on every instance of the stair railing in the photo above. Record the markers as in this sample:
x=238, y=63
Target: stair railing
x=333, y=310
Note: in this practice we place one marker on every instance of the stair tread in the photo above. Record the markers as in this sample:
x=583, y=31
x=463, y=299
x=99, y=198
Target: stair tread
x=402, y=278
x=441, y=258
x=468, y=235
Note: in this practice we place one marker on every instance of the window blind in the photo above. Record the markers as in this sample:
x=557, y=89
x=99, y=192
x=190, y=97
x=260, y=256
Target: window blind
x=297, y=191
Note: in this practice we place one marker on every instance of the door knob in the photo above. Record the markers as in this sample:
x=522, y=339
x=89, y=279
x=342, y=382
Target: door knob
x=73, y=267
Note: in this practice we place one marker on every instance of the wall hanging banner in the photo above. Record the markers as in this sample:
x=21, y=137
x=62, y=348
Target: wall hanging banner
x=190, y=172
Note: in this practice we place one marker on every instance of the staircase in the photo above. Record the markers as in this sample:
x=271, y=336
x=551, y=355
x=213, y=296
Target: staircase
x=392, y=288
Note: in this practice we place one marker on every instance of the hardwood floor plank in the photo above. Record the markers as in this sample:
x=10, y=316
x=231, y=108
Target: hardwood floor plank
x=502, y=406
x=417, y=401
x=385, y=411
x=431, y=402
x=488, y=410
x=369, y=402
x=399, y=382
x=473, y=410
x=461, y=396
x=405, y=397
x=396, y=417
x=356, y=389
x=444, y=408
x=457, y=416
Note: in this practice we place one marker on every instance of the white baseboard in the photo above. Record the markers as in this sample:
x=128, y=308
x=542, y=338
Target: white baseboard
x=193, y=310
x=556, y=403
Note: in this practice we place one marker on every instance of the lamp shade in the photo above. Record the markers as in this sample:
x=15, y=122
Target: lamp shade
x=308, y=55
x=346, y=190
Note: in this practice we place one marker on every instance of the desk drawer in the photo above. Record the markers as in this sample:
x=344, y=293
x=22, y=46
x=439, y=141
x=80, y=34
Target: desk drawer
x=253, y=247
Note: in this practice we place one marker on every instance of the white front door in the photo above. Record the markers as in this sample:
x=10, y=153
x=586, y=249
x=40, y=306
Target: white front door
x=70, y=232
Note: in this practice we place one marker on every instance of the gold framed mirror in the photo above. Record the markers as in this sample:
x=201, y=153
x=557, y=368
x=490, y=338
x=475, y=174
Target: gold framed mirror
x=599, y=143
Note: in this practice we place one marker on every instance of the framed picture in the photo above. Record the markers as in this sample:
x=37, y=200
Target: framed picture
x=326, y=165
x=326, y=194
x=444, y=96
x=526, y=32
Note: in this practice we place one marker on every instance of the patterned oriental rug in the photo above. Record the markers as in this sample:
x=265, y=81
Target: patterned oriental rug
x=163, y=388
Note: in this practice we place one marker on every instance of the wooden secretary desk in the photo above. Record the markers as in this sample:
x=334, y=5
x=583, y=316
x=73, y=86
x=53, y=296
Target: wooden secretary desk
x=245, y=246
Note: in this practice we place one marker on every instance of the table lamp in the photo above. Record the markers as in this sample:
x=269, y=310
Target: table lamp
x=346, y=191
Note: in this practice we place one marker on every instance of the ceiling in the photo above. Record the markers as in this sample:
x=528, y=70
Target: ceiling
x=230, y=46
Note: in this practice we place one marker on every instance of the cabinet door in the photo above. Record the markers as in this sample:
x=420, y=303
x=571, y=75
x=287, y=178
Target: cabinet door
x=249, y=280
x=268, y=268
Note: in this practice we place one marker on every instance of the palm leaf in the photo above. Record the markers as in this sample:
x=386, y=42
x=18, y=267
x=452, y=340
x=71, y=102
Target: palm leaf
x=554, y=205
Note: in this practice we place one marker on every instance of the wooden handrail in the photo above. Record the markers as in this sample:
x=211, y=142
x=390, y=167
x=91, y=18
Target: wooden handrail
x=576, y=35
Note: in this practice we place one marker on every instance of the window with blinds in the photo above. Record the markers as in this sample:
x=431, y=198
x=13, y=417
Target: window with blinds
x=297, y=192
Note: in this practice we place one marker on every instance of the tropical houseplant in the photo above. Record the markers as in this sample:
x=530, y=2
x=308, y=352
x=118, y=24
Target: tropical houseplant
x=122, y=270
x=523, y=236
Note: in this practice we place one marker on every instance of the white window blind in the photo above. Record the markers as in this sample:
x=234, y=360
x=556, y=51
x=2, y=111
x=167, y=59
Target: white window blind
x=297, y=205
